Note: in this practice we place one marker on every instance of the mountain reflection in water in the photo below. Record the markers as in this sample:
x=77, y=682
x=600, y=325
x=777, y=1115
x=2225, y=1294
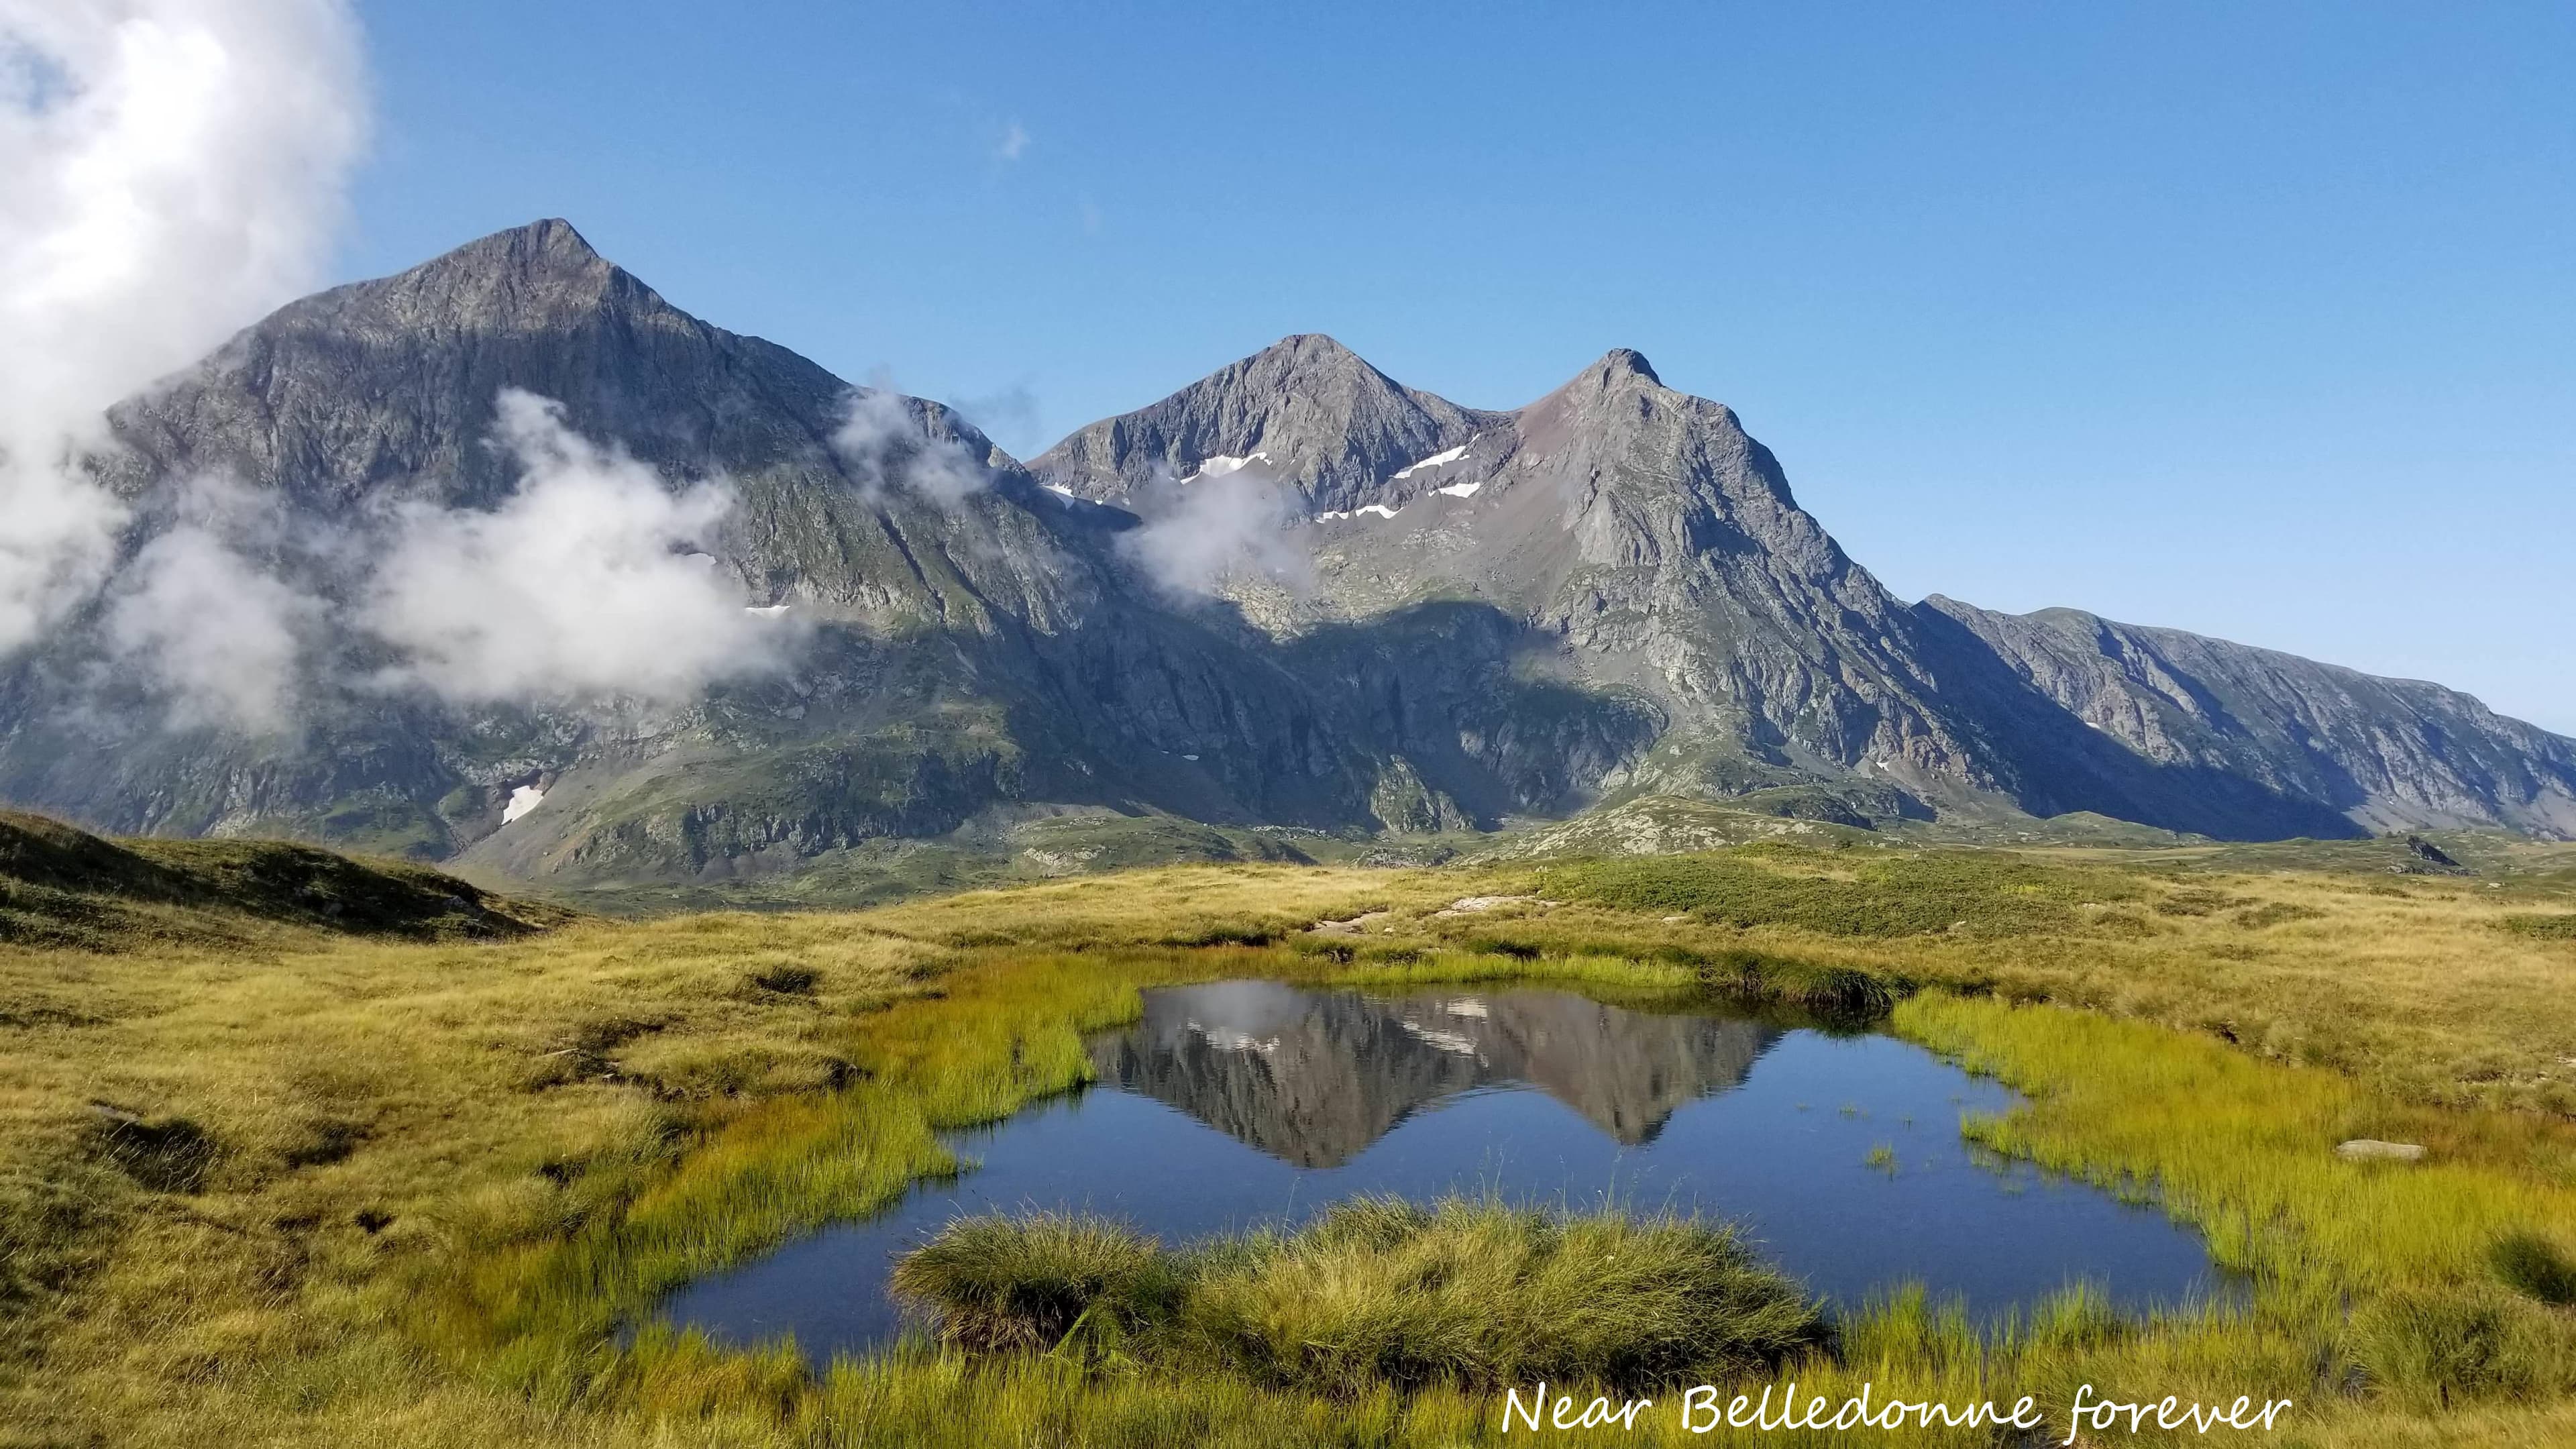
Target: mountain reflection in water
x=1312, y=1078
x=1245, y=1103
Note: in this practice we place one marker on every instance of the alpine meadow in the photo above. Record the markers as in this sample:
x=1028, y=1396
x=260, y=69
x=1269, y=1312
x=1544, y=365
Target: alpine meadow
x=572, y=876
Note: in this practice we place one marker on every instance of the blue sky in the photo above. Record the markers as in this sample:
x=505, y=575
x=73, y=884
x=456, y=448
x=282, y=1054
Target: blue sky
x=2254, y=320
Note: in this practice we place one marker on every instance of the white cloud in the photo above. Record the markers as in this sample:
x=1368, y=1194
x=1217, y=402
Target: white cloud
x=883, y=444
x=1014, y=143
x=196, y=618
x=1199, y=531
x=586, y=584
x=171, y=169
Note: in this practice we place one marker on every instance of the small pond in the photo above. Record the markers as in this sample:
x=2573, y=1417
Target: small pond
x=1249, y=1102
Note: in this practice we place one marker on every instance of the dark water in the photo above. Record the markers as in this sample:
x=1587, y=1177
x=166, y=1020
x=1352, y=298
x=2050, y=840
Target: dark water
x=1247, y=1102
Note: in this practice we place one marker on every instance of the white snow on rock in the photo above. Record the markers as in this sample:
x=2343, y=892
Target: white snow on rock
x=1059, y=488
x=522, y=800
x=767, y=611
x=1380, y=509
x=1436, y=460
x=1461, y=490
x=1224, y=463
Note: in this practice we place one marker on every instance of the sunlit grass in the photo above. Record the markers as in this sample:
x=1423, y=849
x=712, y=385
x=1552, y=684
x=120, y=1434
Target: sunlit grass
x=439, y=1177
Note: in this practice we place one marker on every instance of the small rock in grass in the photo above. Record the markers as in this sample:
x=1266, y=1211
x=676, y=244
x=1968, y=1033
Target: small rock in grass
x=2371, y=1149
x=1471, y=905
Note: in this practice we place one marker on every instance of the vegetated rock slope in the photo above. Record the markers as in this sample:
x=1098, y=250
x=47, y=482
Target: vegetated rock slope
x=1607, y=595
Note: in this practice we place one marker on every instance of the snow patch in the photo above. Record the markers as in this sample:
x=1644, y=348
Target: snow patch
x=1059, y=489
x=1461, y=490
x=522, y=800
x=767, y=611
x=1380, y=509
x=1436, y=460
x=1224, y=463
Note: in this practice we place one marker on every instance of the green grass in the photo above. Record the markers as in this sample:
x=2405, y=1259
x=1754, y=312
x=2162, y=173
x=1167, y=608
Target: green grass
x=2542, y=928
x=381, y=1188
x=1979, y=893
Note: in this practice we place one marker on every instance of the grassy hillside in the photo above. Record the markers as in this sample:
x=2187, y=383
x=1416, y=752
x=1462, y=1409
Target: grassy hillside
x=271, y=1173
x=65, y=887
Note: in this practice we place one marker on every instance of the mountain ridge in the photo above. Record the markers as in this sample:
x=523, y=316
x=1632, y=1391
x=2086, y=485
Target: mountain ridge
x=1608, y=594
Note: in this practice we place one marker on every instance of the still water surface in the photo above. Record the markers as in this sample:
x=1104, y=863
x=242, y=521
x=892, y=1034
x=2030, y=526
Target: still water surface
x=1249, y=1102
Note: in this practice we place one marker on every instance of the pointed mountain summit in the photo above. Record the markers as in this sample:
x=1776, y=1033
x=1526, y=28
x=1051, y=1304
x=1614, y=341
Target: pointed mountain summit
x=387, y=386
x=1317, y=416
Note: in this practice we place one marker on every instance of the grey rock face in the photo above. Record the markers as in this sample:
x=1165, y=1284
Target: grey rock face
x=2387, y=753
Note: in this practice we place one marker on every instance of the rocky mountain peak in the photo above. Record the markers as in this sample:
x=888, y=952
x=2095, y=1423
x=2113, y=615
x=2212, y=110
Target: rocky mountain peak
x=548, y=245
x=390, y=384
x=541, y=276
x=1310, y=411
x=1623, y=366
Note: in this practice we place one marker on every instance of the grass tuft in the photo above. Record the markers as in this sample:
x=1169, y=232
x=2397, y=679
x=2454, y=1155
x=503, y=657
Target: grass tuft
x=1379, y=1292
x=2535, y=1267
x=1003, y=1284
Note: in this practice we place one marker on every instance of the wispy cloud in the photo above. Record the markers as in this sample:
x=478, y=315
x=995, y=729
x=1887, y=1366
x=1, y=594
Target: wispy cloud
x=195, y=617
x=1014, y=143
x=883, y=443
x=1199, y=531
x=1009, y=417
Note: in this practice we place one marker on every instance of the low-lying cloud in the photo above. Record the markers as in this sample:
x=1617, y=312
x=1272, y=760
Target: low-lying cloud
x=1199, y=531
x=882, y=444
x=197, y=620
x=593, y=580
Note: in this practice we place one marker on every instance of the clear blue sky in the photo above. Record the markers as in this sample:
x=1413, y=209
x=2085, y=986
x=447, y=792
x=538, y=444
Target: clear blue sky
x=2258, y=320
